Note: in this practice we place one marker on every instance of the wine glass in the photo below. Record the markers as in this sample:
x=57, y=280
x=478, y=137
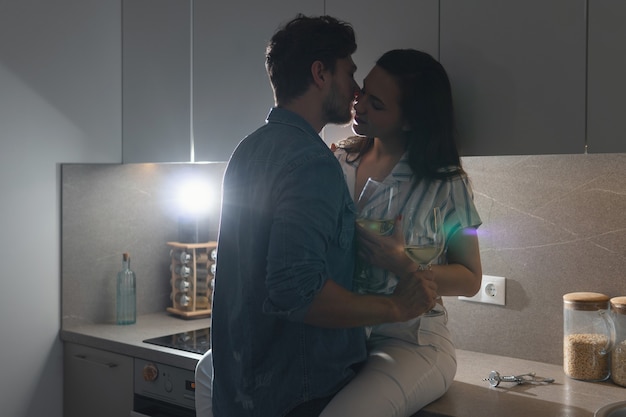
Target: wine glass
x=378, y=206
x=425, y=241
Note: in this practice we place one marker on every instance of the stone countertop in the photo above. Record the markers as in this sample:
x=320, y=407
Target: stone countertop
x=128, y=340
x=469, y=395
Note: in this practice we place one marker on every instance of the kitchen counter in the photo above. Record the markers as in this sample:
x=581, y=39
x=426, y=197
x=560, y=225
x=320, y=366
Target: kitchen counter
x=128, y=340
x=469, y=395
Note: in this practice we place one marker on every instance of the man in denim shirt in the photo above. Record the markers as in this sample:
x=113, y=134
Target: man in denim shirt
x=286, y=332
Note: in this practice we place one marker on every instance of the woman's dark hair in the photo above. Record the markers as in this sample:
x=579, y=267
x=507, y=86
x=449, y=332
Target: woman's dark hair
x=302, y=41
x=426, y=104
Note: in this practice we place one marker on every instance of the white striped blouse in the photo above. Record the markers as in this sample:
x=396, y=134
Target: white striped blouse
x=453, y=196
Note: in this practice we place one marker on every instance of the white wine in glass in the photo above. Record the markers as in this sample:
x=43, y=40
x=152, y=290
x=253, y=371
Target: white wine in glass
x=425, y=241
x=425, y=238
x=422, y=254
x=380, y=227
x=377, y=207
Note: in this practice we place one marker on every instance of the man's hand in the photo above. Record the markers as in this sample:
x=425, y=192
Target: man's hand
x=386, y=252
x=415, y=294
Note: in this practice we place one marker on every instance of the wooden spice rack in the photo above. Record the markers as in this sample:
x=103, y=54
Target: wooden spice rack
x=200, y=275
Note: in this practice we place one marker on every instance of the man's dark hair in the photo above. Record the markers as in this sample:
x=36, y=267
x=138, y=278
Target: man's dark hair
x=300, y=42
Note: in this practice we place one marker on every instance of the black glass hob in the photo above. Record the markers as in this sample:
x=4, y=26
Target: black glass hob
x=195, y=341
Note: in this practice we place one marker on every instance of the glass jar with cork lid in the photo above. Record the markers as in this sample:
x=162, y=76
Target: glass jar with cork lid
x=618, y=354
x=589, y=335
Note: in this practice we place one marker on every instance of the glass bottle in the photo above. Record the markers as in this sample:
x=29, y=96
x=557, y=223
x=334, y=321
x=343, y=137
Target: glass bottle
x=182, y=285
x=126, y=300
x=182, y=299
x=181, y=270
x=588, y=336
x=618, y=355
x=202, y=257
x=202, y=302
x=181, y=256
x=202, y=273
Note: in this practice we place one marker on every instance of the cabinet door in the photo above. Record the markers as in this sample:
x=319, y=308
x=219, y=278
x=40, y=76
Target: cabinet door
x=156, y=74
x=96, y=383
x=231, y=91
x=606, y=83
x=382, y=26
x=517, y=70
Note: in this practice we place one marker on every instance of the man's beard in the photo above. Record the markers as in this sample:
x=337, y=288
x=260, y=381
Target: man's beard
x=335, y=110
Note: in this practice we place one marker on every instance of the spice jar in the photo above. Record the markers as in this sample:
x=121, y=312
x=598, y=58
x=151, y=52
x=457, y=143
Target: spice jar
x=588, y=336
x=618, y=355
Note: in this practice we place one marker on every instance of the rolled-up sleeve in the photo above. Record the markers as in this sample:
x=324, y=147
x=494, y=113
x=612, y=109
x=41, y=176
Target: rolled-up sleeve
x=306, y=225
x=462, y=204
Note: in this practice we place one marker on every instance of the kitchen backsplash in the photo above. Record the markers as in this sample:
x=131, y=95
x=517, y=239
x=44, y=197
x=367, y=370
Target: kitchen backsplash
x=108, y=209
x=552, y=224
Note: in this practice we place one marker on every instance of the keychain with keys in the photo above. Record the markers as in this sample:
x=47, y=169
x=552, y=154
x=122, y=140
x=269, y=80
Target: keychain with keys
x=495, y=378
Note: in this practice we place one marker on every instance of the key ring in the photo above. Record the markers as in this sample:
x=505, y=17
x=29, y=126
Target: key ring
x=495, y=378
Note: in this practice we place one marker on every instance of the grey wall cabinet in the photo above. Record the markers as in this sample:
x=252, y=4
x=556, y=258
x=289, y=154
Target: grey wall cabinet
x=156, y=79
x=382, y=26
x=519, y=71
x=194, y=75
x=606, y=85
x=232, y=94
x=518, y=74
x=96, y=383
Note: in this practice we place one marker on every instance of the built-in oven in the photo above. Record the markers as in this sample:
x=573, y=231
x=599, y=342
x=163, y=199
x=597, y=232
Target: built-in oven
x=163, y=391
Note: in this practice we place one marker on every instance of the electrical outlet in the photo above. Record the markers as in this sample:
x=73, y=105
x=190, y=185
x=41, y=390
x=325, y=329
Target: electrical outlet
x=492, y=291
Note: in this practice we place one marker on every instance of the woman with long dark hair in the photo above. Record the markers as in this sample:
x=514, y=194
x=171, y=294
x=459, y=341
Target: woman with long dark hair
x=405, y=137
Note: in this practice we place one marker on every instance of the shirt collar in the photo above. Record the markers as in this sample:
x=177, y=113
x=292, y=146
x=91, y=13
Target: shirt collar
x=402, y=170
x=284, y=116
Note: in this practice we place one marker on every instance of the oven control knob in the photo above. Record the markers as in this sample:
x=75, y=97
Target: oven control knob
x=150, y=372
x=168, y=386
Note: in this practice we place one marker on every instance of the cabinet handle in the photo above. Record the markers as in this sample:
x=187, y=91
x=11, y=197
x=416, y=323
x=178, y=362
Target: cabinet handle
x=85, y=358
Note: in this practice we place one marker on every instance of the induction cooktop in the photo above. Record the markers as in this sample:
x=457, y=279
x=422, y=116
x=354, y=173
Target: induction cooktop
x=195, y=341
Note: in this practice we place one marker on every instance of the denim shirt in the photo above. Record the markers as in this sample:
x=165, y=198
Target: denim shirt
x=287, y=225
